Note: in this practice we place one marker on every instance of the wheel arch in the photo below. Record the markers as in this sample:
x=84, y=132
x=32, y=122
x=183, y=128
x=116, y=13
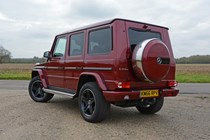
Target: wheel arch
x=39, y=72
x=90, y=77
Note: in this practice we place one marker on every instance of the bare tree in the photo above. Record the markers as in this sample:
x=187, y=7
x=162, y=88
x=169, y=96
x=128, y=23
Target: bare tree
x=5, y=55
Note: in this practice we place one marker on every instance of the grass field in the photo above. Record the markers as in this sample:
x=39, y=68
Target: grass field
x=16, y=71
x=185, y=73
x=193, y=73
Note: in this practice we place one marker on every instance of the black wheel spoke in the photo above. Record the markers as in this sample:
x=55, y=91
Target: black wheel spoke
x=34, y=88
x=36, y=93
x=84, y=100
x=42, y=93
x=88, y=94
x=91, y=109
x=88, y=102
x=86, y=108
x=37, y=89
x=92, y=101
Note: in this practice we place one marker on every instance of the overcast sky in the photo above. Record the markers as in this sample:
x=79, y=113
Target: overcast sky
x=28, y=27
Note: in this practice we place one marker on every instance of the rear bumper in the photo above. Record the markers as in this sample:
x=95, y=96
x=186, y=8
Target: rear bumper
x=114, y=96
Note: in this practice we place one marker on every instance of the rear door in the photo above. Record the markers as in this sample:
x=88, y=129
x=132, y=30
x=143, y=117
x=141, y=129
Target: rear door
x=100, y=57
x=74, y=60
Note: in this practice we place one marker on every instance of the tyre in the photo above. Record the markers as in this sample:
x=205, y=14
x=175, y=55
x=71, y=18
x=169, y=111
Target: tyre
x=151, y=109
x=93, y=107
x=36, y=92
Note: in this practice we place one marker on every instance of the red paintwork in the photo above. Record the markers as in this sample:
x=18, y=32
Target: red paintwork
x=113, y=96
x=155, y=49
x=41, y=76
x=98, y=79
x=119, y=60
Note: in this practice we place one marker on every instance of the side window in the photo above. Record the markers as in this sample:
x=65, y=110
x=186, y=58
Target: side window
x=77, y=44
x=100, y=41
x=60, y=47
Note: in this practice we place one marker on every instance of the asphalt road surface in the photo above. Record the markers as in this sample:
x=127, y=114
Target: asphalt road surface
x=194, y=88
x=184, y=117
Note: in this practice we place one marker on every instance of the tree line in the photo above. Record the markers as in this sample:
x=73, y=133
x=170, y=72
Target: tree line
x=5, y=57
x=27, y=60
x=195, y=59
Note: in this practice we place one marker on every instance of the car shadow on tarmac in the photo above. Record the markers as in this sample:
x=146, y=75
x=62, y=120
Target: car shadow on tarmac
x=117, y=114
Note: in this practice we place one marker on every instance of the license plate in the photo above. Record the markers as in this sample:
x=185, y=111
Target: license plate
x=149, y=93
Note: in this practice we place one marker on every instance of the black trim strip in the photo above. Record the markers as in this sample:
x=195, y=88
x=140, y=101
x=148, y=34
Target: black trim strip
x=97, y=68
x=58, y=92
x=75, y=68
x=67, y=91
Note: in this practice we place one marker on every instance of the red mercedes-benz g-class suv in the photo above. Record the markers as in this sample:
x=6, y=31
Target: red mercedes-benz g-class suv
x=120, y=62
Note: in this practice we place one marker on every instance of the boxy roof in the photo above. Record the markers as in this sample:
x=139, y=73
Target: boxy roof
x=107, y=22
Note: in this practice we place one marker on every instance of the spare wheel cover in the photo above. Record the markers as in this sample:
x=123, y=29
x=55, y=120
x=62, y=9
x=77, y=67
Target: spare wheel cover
x=151, y=60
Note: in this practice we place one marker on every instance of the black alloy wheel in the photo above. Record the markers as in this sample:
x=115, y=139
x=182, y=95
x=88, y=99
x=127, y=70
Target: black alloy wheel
x=36, y=92
x=88, y=102
x=92, y=104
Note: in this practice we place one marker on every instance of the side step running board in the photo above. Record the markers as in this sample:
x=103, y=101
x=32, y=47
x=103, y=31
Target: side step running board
x=58, y=92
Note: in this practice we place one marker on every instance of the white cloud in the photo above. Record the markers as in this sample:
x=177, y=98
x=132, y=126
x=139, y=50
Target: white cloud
x=95, y=9
x=27, y=27
x=2, y=17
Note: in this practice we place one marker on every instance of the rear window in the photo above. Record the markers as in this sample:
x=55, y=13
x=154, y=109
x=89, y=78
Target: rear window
x=137, y=36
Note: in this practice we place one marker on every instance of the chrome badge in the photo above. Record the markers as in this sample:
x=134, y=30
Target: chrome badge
x=159, y=60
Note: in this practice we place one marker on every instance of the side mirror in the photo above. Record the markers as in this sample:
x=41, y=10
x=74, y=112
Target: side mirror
x=46, y=54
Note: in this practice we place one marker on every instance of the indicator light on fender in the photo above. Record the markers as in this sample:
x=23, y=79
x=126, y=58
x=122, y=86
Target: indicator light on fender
x=123, y=85
x=172, y=83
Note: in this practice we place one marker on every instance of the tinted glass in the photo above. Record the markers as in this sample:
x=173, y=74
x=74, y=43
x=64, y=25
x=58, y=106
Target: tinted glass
x=100, y=41
x=60, y=47
x=77, y=44
x=137, y=36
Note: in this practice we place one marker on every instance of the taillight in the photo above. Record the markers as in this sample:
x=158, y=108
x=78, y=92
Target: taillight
x=123, y=85
x=172, y=83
